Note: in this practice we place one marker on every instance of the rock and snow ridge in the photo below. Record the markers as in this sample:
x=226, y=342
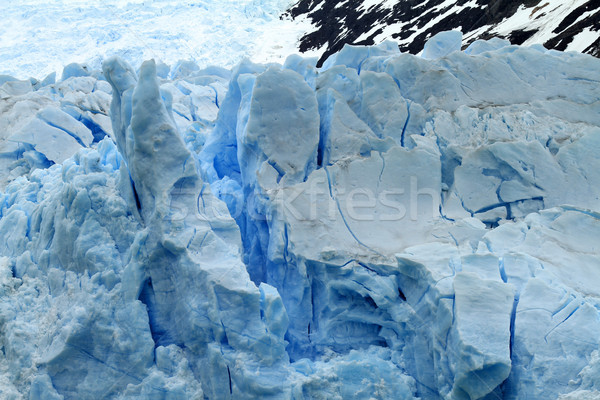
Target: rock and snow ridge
x=386, y=226
x=572, y=25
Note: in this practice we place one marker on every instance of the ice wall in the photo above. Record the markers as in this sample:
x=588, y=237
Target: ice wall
x=386, y=226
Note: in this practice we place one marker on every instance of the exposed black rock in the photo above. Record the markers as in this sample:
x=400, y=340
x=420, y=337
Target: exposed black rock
x=339, y=22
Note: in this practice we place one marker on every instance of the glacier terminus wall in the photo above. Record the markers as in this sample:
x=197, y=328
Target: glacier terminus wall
x=386, y=226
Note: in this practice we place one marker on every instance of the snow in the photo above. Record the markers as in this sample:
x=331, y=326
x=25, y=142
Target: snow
x=367, y=4
x=582, y=40
x=386, y=226
x=544, y=22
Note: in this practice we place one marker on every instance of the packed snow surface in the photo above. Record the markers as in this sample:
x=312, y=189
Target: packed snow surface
x=386, y=226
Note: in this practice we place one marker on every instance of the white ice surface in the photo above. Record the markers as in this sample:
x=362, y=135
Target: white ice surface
x=40, y=37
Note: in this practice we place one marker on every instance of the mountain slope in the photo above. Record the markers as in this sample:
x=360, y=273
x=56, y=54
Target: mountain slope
x=560, y=25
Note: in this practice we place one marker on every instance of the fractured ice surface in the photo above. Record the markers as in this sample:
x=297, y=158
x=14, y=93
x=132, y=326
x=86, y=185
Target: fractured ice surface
x=387, y=226
x=46, y=123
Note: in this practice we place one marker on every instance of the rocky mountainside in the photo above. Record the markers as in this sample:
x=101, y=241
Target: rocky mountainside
x=560, y=25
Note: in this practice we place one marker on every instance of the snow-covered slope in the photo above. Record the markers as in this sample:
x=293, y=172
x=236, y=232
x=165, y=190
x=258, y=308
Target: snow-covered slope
x=386, y=226
x=556, y=24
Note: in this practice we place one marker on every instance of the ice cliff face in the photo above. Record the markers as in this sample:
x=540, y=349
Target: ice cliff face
x=386, y=226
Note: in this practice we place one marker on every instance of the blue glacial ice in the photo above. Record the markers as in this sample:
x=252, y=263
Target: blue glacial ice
x=386, y=226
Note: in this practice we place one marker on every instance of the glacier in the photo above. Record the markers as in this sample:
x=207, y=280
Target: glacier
x=41, y=37
x=385, y=226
